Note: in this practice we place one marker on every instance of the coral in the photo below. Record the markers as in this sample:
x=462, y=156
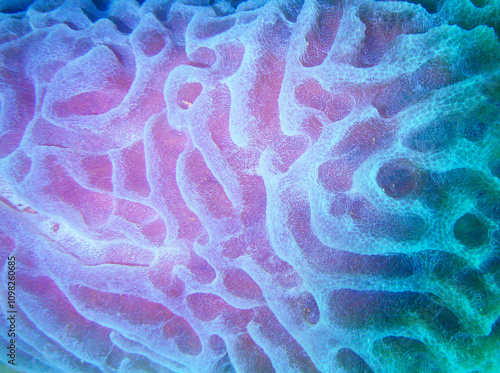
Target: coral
x=251, y=186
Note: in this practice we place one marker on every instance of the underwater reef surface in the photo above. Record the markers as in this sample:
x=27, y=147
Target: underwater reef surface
x=259, y=186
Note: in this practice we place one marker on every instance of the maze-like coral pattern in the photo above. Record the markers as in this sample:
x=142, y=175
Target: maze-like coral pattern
x=260, y=186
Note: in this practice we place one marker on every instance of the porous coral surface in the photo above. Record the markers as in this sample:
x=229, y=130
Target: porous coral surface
x=260, y=186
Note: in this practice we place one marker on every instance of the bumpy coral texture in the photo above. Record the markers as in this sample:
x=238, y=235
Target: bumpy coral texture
x=264, y=186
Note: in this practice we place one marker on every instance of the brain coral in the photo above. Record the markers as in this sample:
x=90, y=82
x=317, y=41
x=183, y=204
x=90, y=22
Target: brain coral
x=257, y=186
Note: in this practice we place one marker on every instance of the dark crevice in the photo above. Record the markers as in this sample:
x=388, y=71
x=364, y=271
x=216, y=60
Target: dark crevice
x=479, y=3
x=91, y=15
x=291, y=9
x=11, y=7
x=352, y=362
x=120, y=25
x=431, y=6
x=235, y=3
x=102, y=5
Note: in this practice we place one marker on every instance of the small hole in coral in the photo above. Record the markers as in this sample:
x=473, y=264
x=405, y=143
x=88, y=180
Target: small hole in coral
x=479, y=3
